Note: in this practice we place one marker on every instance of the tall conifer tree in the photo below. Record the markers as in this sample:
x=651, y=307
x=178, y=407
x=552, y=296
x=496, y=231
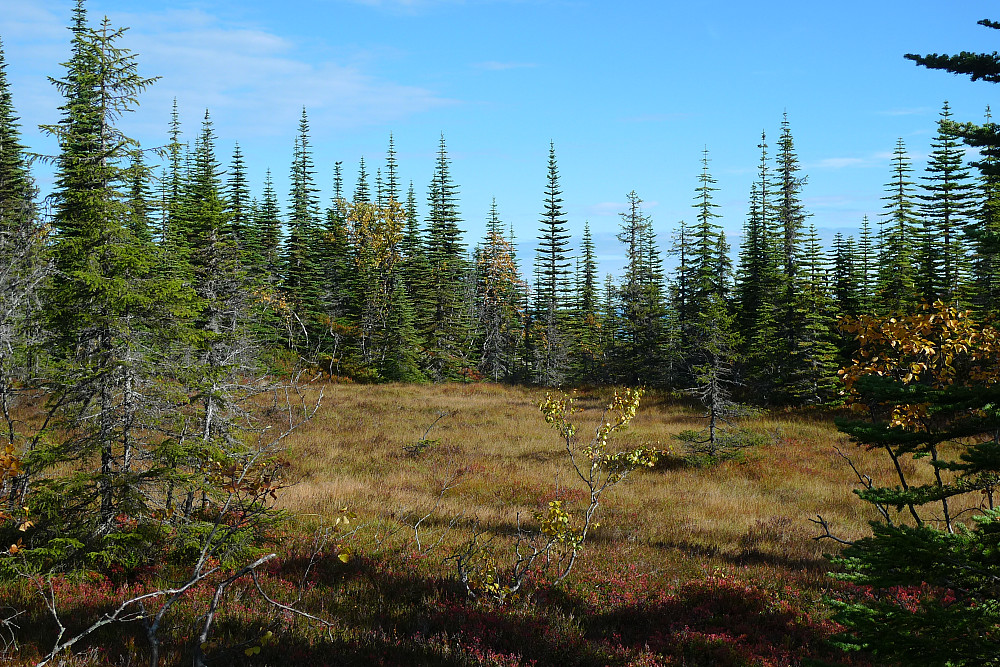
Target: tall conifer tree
x=109, y=311
x=643, y=309
x=895, y=287
x=985, y=232
x=443, y=322
x=588, y=355
x=391, y=173
x=301, y=273
x=498, y=296
x=550, y=338
x=16, y=187
x=948, y=207
x=238, y=202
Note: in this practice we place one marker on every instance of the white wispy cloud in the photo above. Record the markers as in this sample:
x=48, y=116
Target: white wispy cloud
x=606, y=208
x=614, y=208
x=254, y=82
x=265, y=80
x=876, y=159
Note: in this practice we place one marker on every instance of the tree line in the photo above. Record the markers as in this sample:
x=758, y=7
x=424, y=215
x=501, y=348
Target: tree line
x=364, y=288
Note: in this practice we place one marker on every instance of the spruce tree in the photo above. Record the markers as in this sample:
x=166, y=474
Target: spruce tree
x=498, y=295
x=443, y=323
x=172, y=183
x=362, y=193
x=109, y=313
x=412, y=246
x=16, y=187
x=682, y=286
x=867, y=268
x=391, y=173
x=643, y=310
x=238, y=204
x=23, y=267
x=301, y=272
x=609, y=326
x=895, y=287
x=948, y=206
x=811, y=375
x=139, y=197
x=222, y=345
x=758, y=285
x=985, y=231
x=588, y=355
x=795, y=297
x=846, y=287
x=789, y=212
x=551, y=257
x=706, y=236
x=551, y=340
x=715, y=379
x=267, y=233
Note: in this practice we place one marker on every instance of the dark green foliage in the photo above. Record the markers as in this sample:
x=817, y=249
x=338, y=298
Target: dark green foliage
x=139, y=198
x=362, y=193
x=914, y=616
x=110, y=314
x=391, y=188
x=811, y=377
x=639, y=358
x=444, y=324
x=984, y=233
x=895, y=286
x=238, y=207
x=549, y=334
x=551, y=260
x=978, y=66
x=789, y=212
x=947, y=210
x=710, y=264
x=411, y=247
x=401, y=362
x=301, y=277
x=758, y=282
x=588, y=355
x=867, y=269
x=927, y=576
x=846, y=278
x=16, y=187
x=267, y=236
x=985, y=137
x=171, y=235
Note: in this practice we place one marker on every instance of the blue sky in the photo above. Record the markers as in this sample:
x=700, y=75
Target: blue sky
x=630, y=92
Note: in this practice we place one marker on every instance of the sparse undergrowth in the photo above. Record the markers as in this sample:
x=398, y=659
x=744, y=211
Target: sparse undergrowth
x=689, y=566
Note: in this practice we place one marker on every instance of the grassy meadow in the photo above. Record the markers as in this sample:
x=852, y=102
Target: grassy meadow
x=710, y=565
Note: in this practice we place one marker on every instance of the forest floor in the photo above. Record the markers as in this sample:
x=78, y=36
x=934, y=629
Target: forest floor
x=690, y=565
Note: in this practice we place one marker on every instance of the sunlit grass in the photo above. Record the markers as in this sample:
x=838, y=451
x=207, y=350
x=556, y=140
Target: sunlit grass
x=756, y=507
x=690, y=565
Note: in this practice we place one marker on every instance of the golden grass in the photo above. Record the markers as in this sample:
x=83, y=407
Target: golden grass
x=750, y=511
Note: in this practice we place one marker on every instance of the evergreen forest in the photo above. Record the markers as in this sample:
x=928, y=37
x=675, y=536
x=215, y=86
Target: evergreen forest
x=163, y=329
